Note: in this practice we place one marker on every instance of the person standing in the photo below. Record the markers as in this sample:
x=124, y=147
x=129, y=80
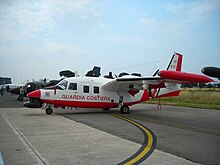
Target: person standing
x=21, y=96
x=1, y=89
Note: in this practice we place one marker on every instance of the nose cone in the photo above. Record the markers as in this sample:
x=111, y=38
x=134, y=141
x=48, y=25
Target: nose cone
x=35, y=94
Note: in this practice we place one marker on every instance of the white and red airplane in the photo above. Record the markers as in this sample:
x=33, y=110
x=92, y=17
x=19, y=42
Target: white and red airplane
x=122, y=92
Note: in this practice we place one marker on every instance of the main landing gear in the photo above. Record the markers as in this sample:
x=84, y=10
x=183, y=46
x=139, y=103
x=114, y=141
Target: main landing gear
x=49, y=111
x=124, y=109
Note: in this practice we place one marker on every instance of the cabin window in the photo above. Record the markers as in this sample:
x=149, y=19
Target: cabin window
x=86, y=89
x=73, y=86
x=96, y=89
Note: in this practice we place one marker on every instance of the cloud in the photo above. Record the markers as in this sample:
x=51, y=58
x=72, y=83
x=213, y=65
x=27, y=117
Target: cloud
x=101, y=24
x=149, y=21
x=34, y=61
x=23, y=19
x=195, y=10
x=184, y=13
x=181, y=18
x=51, y=47
x=47, y=47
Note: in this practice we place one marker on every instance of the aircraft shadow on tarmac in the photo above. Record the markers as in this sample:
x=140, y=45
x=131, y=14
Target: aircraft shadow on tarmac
x=88, y=112
x=94, y=112
x=76, y=112
x=34, y=114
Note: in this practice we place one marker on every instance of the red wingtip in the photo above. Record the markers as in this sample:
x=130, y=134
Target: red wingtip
x=35, y=94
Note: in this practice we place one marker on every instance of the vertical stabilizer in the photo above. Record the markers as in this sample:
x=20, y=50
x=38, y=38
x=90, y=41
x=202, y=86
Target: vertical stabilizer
x=172, y=89
x=175, y=62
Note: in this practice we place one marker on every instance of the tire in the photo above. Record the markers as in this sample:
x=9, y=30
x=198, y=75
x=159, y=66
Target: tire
x=49, y=111
x=125, y=110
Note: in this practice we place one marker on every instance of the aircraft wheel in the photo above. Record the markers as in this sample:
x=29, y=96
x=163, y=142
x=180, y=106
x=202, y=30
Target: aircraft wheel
x=49, y=111
x=124, y=109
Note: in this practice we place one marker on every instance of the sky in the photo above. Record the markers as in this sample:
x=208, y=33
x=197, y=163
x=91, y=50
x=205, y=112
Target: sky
x=40, y=38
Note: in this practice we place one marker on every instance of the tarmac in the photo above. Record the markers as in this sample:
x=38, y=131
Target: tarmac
x=28, y=136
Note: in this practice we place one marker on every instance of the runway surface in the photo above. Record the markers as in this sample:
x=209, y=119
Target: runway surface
x=192, y=134
x=184, y=135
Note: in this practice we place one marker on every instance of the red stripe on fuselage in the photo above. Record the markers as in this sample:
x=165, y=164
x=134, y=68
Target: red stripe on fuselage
x=86, y=104
x=81, y=104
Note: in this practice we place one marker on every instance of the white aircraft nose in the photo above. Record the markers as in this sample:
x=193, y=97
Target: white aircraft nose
x=35, y=94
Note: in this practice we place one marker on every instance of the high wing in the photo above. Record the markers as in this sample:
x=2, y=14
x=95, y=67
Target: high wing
x=130, y=82
x=142, y=83
x=165, y=78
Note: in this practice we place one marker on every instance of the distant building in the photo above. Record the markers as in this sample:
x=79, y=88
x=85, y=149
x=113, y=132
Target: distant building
x=5, y=80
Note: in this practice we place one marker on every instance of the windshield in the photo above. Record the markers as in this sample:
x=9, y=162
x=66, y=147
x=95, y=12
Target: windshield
x=62, y=85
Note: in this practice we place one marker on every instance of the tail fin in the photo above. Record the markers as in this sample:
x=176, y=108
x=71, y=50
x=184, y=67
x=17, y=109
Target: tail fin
x=172, y=89
x=175, y=62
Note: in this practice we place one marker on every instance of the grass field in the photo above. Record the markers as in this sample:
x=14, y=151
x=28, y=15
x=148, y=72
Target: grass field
x=207, y=98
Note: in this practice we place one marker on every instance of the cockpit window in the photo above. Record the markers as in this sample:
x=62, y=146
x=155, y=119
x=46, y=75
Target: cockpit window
x=62, y=85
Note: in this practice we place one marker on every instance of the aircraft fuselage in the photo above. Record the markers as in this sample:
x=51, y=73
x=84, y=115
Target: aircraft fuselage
x=87, y=92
